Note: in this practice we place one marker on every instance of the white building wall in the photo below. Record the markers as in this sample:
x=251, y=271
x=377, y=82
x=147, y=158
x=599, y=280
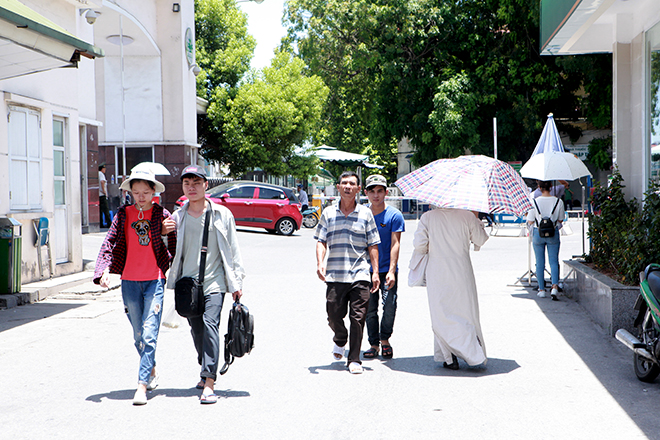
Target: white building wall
x=179, y=97
x=66, y=93
x=629, y=115
x=142, y=95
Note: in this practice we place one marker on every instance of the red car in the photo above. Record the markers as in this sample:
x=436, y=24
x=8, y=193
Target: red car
x=258, y=205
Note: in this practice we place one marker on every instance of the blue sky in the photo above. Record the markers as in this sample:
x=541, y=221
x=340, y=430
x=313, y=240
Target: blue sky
x=264, y=24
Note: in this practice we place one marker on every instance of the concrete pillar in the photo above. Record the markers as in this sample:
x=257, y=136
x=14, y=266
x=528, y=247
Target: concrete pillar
x=628, y=115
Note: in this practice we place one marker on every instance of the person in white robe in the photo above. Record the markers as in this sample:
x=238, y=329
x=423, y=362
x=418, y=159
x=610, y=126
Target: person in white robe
x=446, y=234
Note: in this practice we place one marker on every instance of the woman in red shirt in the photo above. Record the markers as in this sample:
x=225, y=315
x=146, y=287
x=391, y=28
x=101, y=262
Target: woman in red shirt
x=135, y=249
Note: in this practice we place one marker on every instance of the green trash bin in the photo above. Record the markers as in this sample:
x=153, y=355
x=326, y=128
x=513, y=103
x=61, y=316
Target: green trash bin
x=10, y=255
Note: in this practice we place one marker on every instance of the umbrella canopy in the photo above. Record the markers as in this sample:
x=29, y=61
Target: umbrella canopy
x=475, y=183
x=341, y=157
x=549, y=140
x=152, y=167
x=554, y=165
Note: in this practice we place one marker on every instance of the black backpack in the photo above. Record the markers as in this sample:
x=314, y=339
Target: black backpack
x=546, y=226
x=239, y=339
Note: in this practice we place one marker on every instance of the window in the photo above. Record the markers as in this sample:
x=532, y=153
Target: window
x=59, y=177
x=269, y=193
x=134, y=156
x=24, y=159
x=241, y=192
x=653, y=38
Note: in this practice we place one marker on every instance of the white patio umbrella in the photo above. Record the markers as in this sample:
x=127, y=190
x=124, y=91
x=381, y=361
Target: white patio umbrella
x=554, y=165
x=550, y=139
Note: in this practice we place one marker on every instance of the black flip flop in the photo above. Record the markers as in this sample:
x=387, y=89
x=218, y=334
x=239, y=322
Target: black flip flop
x=370, y=354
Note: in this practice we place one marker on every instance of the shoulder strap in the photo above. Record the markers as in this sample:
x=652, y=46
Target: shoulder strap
x=553, y=209
x=205, y=242
x=537, y=210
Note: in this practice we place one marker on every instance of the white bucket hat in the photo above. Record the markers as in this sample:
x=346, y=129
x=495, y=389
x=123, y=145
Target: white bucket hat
x=142, y=175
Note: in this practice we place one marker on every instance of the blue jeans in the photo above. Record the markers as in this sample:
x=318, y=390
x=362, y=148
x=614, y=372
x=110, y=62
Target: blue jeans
x=540, y=244
x=143, y=303
x=389, y=311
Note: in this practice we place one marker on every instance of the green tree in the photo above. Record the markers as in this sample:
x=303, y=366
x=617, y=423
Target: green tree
x=266, y=124
x=223, y=48
x=438, y=72
x=255, y=119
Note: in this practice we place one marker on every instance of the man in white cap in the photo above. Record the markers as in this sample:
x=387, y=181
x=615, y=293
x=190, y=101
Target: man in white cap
x=390, y=224
x=223, y=271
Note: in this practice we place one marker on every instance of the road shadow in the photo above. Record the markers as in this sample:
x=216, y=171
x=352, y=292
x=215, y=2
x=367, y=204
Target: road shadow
x=335, y=366
x=607, y=359
x=258, y=231
x=426, y=366
x=167, y=392
x=25, y=314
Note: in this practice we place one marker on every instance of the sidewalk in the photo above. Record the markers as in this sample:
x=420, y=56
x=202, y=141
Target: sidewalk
x=552, y=372
x=73, y=286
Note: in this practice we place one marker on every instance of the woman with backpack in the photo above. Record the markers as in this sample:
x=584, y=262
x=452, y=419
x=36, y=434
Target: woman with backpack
x=545, y=220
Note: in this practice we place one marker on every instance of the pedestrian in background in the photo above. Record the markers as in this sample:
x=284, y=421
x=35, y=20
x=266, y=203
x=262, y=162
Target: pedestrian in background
x=549, y=206
x=223, y=273
x=347, y=233
x=445, y=234
x=390, y=224
x=135, y=249
x=304, y=200
x=104, y=209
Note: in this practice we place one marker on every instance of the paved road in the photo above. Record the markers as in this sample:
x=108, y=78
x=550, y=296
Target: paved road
x=68, y=367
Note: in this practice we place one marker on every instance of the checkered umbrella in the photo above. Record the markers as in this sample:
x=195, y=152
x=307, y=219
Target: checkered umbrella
x=475, y=183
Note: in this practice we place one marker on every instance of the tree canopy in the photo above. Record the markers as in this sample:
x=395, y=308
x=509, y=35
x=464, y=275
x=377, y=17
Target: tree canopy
x=254, y=119
x=437, y=72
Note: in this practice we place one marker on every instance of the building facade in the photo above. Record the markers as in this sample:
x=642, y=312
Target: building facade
x=630, y=30
x=86, y=83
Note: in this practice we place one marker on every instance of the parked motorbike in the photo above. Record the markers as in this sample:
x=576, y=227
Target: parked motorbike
x=646, y=349
x=311, y=216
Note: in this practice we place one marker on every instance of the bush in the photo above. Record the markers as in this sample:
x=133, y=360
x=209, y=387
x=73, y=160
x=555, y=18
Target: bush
x=624, y=240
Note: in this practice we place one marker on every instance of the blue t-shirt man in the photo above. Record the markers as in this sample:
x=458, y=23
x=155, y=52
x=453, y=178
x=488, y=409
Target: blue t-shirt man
x=388, y=221
x=390, y=224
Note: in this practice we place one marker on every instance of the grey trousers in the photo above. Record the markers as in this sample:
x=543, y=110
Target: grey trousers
x=206, y=335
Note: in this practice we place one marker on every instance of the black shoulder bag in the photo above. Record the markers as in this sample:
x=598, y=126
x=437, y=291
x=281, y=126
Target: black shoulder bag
x=188, y=291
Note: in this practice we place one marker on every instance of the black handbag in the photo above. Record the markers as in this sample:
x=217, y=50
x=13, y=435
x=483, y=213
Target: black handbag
x=188, y=291
x=239, y=339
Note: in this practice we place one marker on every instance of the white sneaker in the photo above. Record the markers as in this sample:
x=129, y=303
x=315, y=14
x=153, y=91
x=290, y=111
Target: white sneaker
x=153, y=382
x=541, y=294
x=554, y=293
x=140, y=398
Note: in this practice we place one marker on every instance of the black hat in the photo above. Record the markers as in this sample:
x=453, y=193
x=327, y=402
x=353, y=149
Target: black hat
x=194, y=170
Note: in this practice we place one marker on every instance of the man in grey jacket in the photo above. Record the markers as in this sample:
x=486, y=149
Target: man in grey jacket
x=224, y=269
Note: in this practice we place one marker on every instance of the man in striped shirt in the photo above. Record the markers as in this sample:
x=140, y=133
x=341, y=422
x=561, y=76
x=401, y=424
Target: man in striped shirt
x=347, y=232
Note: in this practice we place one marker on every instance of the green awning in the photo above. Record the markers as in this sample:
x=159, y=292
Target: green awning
x=571, y=27
x=554, y=15
x=31, y=43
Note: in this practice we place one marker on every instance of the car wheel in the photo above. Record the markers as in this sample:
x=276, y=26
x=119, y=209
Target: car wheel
x=285, y=226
